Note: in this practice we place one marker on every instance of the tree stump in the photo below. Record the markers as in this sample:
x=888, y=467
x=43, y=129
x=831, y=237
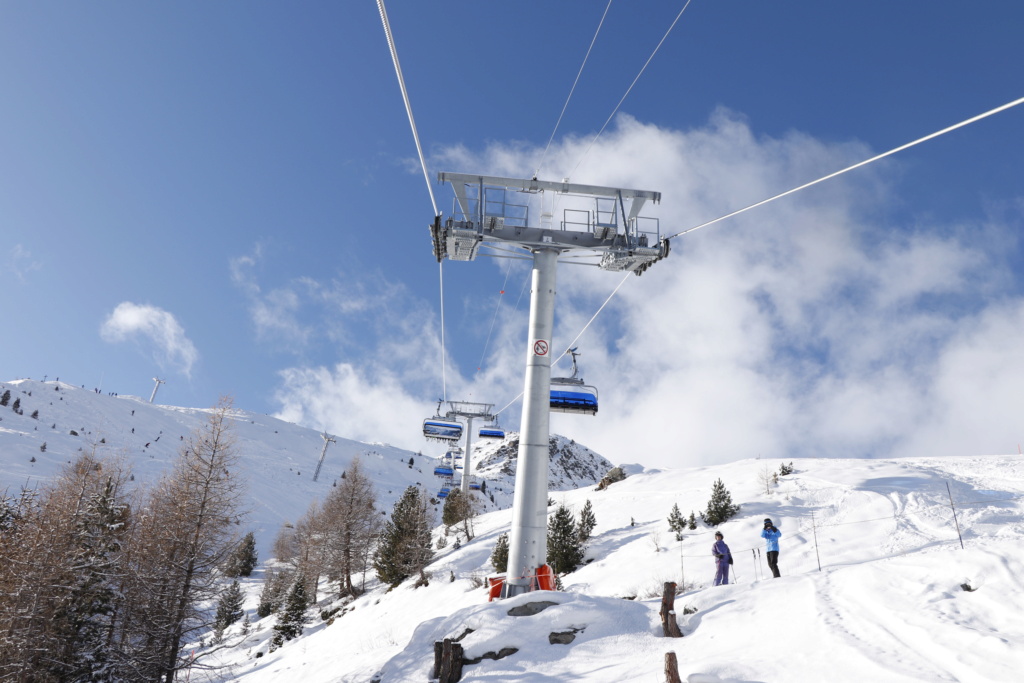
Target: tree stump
x=668, y=613
x=671, y=668
x=447, y=661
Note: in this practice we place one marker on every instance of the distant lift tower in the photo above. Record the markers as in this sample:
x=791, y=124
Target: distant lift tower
x=327, y=440
x=470, y=411
x=516, y=218
x=155, y=387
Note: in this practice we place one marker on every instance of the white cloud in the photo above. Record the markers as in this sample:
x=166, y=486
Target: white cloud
x=21, y=262
x=171, y=348
x=275, y=314
x=811, y=326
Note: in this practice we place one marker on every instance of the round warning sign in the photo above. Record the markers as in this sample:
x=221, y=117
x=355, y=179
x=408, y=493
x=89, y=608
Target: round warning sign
x=540, y=347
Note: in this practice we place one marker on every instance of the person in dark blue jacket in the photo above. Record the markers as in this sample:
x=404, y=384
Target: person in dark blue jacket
x=723, y=558
x=771, y=536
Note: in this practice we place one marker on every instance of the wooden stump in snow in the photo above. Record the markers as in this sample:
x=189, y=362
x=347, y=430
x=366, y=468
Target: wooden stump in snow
x=668, y=612
x=447, y=661
x=671, y=668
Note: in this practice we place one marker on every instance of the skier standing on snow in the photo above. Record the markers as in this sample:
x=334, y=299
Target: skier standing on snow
x=723, y=558
x=771, y=536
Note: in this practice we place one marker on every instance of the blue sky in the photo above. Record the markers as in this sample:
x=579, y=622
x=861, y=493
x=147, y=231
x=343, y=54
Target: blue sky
x=226, y=195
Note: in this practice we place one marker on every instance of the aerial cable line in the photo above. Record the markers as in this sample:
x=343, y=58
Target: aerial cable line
x=576, y=338
x=630, y=88
x=423, y=165
x=405, y=97
x=497, y=307
x=908, y=145
x=444, y=379
x=572, y=89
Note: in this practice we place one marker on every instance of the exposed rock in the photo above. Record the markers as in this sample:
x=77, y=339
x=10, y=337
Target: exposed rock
x=563, y=637
x=500, y=654
x=530, y=608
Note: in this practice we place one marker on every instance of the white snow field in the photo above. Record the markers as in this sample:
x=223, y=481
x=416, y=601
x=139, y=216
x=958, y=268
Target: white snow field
x=887, y=604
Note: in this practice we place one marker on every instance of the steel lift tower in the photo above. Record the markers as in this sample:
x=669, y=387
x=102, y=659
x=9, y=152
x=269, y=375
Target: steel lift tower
x=516, y=218
x=470, y=411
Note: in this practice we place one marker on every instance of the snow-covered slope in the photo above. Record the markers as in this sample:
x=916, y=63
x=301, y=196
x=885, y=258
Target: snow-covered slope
x=278, y=459
x=886, y=605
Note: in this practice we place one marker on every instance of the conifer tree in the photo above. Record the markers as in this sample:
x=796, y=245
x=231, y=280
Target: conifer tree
x=499, y=557
x=676, y=522
x=185, y=535
x=293, y=615
x=16, y=406
x=403, y=548
x=275, y=585
x=351, y=524
x=692, y=524
x=460, y=508
x=6, y=398
x=720, y=507
x=243, y=559
x=564, y=550
x=229, y=607
x=587, y=523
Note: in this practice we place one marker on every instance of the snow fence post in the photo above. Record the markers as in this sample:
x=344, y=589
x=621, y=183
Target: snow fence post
x=668, y=612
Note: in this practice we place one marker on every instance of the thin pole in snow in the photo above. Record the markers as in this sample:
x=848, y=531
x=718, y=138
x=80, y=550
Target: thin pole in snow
x=955, y=520
x=814, y=530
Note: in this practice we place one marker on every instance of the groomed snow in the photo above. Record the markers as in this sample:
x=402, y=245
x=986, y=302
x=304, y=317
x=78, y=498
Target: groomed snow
x=887, y=604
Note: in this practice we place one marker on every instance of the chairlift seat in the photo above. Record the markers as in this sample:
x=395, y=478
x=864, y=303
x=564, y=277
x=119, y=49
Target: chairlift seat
x=582, y=400
x=442, y=430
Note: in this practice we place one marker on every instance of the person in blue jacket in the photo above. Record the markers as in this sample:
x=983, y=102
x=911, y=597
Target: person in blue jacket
x=771, y=536
x=723, y=558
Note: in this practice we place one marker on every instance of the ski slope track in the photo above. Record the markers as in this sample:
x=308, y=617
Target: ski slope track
x=896, y=598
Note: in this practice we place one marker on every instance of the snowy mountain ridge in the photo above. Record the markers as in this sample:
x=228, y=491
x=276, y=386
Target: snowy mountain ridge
x=278, y=458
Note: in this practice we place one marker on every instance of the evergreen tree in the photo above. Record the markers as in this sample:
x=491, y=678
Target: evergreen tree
x=411, y=462
x=720, y=507
x=42, y=447
x=6, y=398
x=35, y=414
x=784, y=469
x=229, y=607
x=587, y=523
x=460, y=508
x=403, y=548
x=565, y=552
x=244, y=558
x=16, y=406
x=676, y=522
x=692, y=525
x=275, y=584
x=499, y=558
x=293, y=615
